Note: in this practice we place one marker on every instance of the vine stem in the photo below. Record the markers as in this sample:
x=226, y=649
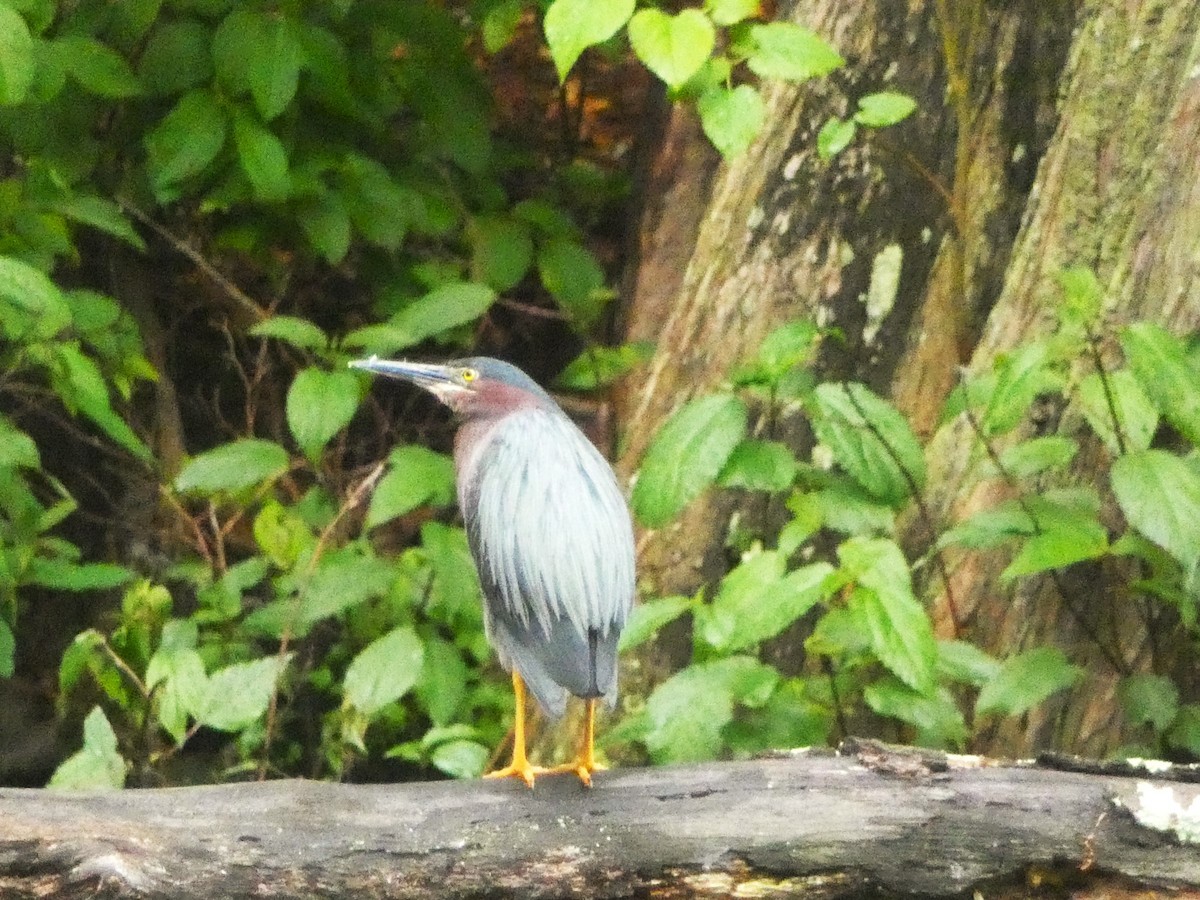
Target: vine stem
x=352, y=502
x=1111, y=657
x=918, y=499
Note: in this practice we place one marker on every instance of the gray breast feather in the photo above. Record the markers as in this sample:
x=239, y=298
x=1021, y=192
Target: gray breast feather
x=549, y=527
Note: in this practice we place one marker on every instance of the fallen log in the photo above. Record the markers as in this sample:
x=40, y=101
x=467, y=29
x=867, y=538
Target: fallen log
x=878, y=821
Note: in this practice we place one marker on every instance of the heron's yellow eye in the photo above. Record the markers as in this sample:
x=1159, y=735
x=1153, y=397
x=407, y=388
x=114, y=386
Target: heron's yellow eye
x=468, y=375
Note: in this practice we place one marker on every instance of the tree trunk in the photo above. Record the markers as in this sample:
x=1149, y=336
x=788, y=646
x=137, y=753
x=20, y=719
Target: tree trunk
x=878, y=822
x=1048, y=135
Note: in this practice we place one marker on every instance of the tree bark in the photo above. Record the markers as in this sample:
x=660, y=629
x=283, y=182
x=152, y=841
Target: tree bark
x=878, y=821
x=1048, y=135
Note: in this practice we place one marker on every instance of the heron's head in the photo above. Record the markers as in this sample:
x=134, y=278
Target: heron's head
x=476, y=387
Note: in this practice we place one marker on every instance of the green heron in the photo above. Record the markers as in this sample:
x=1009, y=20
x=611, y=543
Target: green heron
x=550, y=534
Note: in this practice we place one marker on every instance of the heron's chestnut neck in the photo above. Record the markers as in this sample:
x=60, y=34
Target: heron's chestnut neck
x=494, y=399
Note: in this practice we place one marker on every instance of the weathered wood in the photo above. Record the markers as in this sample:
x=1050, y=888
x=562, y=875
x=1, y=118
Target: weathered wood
x=877, y=823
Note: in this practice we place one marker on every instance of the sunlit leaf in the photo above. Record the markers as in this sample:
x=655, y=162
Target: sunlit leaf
x=791, y=52
x=572, y=26
x=731, y=118
x=384, y=671
x=319, y=405
x=1025, y=681
x=1159, y=494
x=232, y=467
x=673, y=47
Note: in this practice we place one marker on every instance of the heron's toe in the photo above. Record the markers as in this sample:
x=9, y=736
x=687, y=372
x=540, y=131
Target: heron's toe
x=518, y=769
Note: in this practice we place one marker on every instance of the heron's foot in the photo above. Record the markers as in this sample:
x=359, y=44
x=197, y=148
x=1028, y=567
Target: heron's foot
x=582, y=768
x=519, y=768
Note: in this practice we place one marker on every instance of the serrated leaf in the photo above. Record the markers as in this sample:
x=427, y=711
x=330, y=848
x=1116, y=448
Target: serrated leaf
x=340, y=582
x=100, y=70
x=758, y=465
x=232, y=467
x=461, y=759
x=1118, y=395
x=446, y=306
x=81, y=385
x=731, y=118
x=103, y=215
x=1020, y=376
x=649, y=617
x=962, y=662
x=187, y=139
x=870, y=439
x=883, y=109
x=673, y=47
x=938, y=720
x=17, y=448
x=757, y=601
x=501, y=251
x=16, y=57
x=31, y=305
x=1167, y=375
x=384, y=671
x=599, y=367
x=1159, y=494
x=298, y=332
x=319, y=405
x=901, y=633
x=417, y=476
x=834, y=137
x=686, y=456
x=990, y=527
x=572, y=275
x=571, y=26
x=1025, y=681
x=238, y=695
x=98, y=766
x=1037, y=455
x=791, y=52
x=263, y=158
x=1149, y=699
x=1059, y=545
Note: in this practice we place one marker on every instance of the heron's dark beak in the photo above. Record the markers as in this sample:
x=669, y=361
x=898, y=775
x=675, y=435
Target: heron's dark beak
x=441, y=381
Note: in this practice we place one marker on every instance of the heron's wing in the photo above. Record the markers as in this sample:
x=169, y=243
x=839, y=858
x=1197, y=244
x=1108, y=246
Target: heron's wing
x=551, y=536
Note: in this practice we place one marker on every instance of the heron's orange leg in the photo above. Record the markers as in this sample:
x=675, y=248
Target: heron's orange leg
x=585, y=763
x=519, y=767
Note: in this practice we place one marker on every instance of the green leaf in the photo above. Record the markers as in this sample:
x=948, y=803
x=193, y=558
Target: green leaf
x=572, y=26
x=177, y=57
x=1166, y=374
x=31, y=306
x=238, y=695
x=870, y=439
x=300, y=333
x=1149, y=700
x=98, y=766
x=1136, y=416
x=103, y=215
x=384, y=671
x=883, y=109
x=672, y=47
x=1020, y=376
x=501, y=251
x=1159, y=494
x=1037, y=455
x=81, y=386
x=281, y=533
x=380, y=208
x=1185, y=732
x=232, y=467
x=327, y=225
x=342, y=581
x=686, y=456
x=964, y=663
x=730, y=12
x=791, y=52
x=1026, y=680
x=757, y=601
x=1083, y=297
x=759, y=466
x=901, y=633
x=599, y=367
x=185, y=141
x=319, y=405
x=262, y=53
x=16, y=57
x=66, y=575
x=1059, y=545
x=263, y=158
x=687, y=712
x=500, y=24
x=443, y=684
x=17, y=448
x=447, y=306
x=461, y=759
x=834, y=137
x=572, y=275
x=731, y=118
x=990, y=527
x=649, y=617
x=938, y=720
x=417, y=476
x=98, y=69
x=8, y=647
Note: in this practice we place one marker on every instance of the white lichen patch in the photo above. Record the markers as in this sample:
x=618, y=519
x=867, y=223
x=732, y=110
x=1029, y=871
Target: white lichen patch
x=1153, y=766
x=881, y=293
x=1165, y=808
